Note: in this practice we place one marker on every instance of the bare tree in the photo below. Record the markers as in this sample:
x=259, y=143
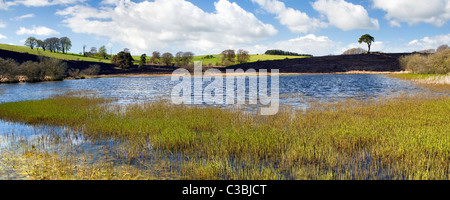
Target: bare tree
x=155, y=57
x=167, y=58
x=243, y=56
x=228, y=56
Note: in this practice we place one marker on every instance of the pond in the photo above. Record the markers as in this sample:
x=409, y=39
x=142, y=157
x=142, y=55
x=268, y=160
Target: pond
x=293, y=90
x=137, y=89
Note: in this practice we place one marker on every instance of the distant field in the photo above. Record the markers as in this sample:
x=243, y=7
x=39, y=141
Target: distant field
x=217, y=59
x=68, y=56
x=253, y=58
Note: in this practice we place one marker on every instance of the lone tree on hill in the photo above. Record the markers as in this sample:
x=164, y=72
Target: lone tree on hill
x=368, y=39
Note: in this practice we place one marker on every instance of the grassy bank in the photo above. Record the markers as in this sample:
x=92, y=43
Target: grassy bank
x=433, y=82
x=399, y=138
x=217, y=59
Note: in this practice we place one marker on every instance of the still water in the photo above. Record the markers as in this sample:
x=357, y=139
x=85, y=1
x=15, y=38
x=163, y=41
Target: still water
x=137, y=89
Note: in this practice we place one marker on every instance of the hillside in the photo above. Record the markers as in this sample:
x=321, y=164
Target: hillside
x=106, y=68
x=68, y=56
x=325, y=64
x=331, y=64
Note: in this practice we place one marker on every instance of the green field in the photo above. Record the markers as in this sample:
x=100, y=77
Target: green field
x=68, y=56
x=78, y=57
x=253, y=58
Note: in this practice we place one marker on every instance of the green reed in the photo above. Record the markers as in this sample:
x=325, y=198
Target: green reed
x=406, y=137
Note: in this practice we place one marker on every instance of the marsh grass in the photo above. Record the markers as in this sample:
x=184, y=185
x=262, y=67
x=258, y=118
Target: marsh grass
x=434, y=82
x=391, y=138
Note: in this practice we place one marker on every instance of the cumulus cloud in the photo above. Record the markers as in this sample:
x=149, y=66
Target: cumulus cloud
x=296, y=20
x=436, y=12
x=40, y=31
x=2, y=24
x=2, y=37
x=346, y=16
x=323, y=45
x=148, y=26
x=308, y=44
x=429, y=42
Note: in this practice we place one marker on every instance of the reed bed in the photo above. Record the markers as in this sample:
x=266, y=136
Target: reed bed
x=433, y=82
x=406, y=137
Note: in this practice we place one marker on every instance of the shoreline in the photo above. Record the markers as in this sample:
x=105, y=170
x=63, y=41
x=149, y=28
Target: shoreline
x=243, y=74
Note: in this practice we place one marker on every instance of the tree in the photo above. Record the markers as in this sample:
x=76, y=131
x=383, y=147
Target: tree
x=93, y=51
x=228, y=55
x=84, y=50
x=53, y=44
x=243, y=56
x=65, y=44
x=368, y=39
x=31, y=42
x=40, y=43
x=102, y=52
x=142, y=61
x=442, y=48
x=155, y=57
x=187, y=57
x=178, y=58
x=123, y=60
x=167, y=58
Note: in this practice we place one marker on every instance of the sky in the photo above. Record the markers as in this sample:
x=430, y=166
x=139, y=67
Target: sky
x=317, y=27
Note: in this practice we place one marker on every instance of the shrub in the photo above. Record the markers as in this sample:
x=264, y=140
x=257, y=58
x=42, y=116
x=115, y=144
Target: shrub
x=74, y=73
x=54, y=68
x=34, y=71
x=354, y=51
x=8, y=70
x=438, y=63
x=92, y=70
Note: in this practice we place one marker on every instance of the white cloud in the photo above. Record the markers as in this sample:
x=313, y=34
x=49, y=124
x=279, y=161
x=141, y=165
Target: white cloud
x=346, y=16
x=31, y=15
x=40, y=31
x=295, y=20
x=4, y=5
x=323, y=45
x=3, y=37
x=309, y=44
x=436, y=12
x=428, y=42
x=148, y=26
x=2, y=24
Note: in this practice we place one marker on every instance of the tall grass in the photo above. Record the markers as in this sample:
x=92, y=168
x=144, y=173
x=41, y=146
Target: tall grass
x=399, y=138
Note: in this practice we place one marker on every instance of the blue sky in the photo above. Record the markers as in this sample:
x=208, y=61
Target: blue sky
x=318, y=27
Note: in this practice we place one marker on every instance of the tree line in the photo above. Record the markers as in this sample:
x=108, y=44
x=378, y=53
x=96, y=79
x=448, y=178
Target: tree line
x=284, y=53
x=52, y=44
